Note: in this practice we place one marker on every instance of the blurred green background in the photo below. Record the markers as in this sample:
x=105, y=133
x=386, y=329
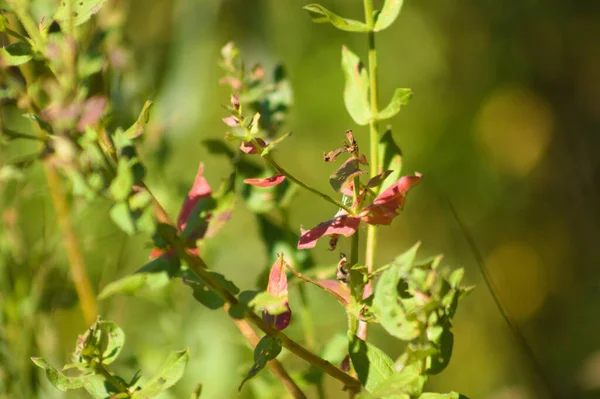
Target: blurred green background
x=504, y=124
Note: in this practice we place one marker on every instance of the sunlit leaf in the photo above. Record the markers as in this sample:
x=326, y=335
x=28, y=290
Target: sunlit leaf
x=451, y=395
x=167, y=376
x=408, y=381
x=401, y=97
x=82, y=11
x=385, y=206
x=122, y=184
x=344, y=224
x=388, y=14
x=266, y=182
x=320, y=14
x=111, y=342
x=387, y=305
x=356, y=88
x=59, y=380
x=121, y=215
x=345, y=174
x=15, y=54
x=267, y=349
x=372, y=365
x=137, y=129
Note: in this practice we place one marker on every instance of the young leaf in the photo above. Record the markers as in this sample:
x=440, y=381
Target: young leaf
x=391, y=159
x=197, y=392
x=82, y=11
x=196, y=207
x=438, y=362
x=59, y=380
x=357, y=87
x=15, y=54
x=266, y=182
x=267, y=349
x=320, y=14
x=112, y=339
x=99, y=388
x=121, y=215
x=122, y=185
x=372, y=365
x=387, y=305
x=401, y=97
x=249, y=147
x=167, y=376
x=388, y=14
x=277, y=287
x=137, y=128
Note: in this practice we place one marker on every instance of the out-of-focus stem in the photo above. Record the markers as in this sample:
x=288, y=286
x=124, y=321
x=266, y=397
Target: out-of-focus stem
x=87, y=299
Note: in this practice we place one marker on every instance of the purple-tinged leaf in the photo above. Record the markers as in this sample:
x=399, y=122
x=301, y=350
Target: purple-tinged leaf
x=231, y=121
x=346, y=172
x=249, y=147
x=266, y=182
x=385, y=206
x=343, y=224
x=199, y=190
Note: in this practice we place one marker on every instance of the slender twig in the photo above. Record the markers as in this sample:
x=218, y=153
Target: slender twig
x=373, y=142
x=198, y=265
x=79, y=275
x=521, y=340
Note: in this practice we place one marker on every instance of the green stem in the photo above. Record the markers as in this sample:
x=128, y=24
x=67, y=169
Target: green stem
x=100, y=369
x=373, y=136
x=20, y=8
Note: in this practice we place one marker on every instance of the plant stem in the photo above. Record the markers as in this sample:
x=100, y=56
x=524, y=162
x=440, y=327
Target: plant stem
x=20, y=8
x=291, y=177
x=87, y=300
x=198, y=265
x=100, y=369
x=373, y=143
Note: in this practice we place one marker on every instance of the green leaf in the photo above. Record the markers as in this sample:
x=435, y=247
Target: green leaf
x=273, y=305
x=153, y=275
x=197, y=392
x=99, y=388
x=59, y=380
x=445, y=342
x=357, y=87
x=387, y=304
x=267, y=349
x=202, y=293
x=111, y=341
x=320, y=14
x=388, y=14
x=408, y=381
x=372, y=365
x=122, y=185
x=3, y=21
x=451, y=395
x=121, y=215
x=82, y=11
x=15, y=54
x=391, y=159
x=167, y=376
x=401, y=97
x=137, y=128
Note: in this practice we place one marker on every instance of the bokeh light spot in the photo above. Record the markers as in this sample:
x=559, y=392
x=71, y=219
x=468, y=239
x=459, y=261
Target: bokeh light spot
x=514, y=128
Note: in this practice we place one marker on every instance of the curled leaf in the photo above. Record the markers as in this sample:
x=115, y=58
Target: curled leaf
x=385, y=206
x=401, y=97
x=249, y=147
x=345, y=174
x=266, y=182
x=342, y=224
x=137, y=128
x=388, y=14
x=320, y=14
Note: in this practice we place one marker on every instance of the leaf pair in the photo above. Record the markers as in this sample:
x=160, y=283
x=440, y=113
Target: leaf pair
x=382, y=19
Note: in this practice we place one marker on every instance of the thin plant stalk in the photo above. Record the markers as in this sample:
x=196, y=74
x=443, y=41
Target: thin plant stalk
x=373, y=144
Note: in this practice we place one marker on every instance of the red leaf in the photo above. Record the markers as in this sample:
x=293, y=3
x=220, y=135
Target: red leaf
x=158, y=252
x=199, y=190
x=267, y=182
x=278, y=284
x=231, y=121
x=250, y=148
x=343, y=224
x=280, y=321
x=384, y=208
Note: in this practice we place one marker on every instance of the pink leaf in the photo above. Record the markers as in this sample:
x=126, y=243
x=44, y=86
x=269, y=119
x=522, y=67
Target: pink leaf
x=199, y=190
x=267, y=182
x=343, y=224
x=278, y=287
x=93, y=109
x=249, y=147
x=339, y=289
x=231, y=121
x=384, y=208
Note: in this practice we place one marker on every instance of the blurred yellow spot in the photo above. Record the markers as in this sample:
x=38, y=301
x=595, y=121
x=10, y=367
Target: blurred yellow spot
x=514, y=128
x=518, y=273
